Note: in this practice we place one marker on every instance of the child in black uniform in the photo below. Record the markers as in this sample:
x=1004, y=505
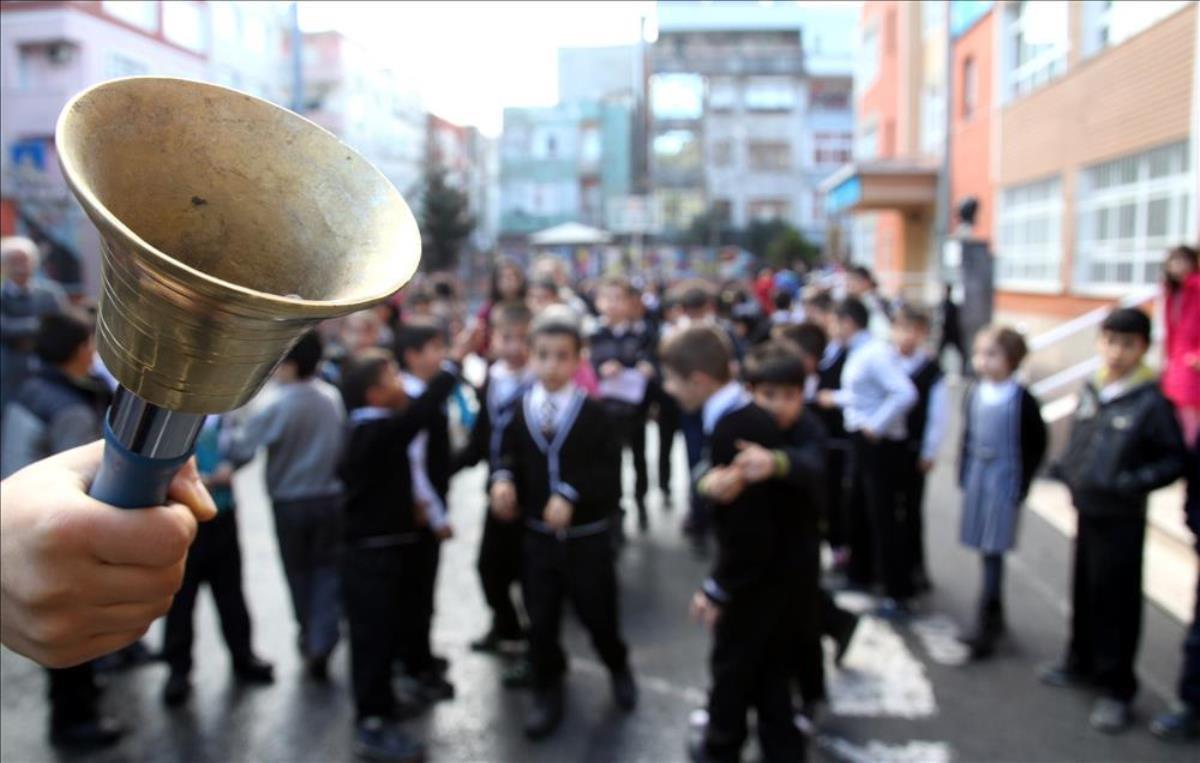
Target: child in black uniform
x=508, y=379
x=754, y=599
x=383, y=527
x=560, y=463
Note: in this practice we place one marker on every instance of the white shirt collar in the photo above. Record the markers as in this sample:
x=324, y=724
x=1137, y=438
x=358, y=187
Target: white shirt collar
x=369, y=413
x=413, y=386
x=727, y=399
x=991, y=392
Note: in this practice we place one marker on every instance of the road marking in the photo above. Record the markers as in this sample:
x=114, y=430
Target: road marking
x=939, y=635
x=880, y=677
x=916, y=751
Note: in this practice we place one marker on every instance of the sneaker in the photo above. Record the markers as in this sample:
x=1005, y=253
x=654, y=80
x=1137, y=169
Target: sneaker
x=1180, y=723
x=176, y=690
x=376, y=739
x=893, y=610
x=625, y=690
x=1111, y=716
x=433, y=687
x=1062, y=675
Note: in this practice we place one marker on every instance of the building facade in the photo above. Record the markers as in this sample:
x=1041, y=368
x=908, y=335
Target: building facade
x=49, y=51
x=351, y=94
x=563, y=163
x=750, y=109
x=1073, y=124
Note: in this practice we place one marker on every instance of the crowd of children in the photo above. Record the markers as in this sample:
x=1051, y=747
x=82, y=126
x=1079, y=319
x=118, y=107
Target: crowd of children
x=810, y=417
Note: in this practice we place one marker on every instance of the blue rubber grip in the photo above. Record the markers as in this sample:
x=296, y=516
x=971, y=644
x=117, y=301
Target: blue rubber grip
x=131, y=481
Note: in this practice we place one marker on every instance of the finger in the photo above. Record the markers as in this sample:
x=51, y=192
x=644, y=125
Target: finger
x=743, y=444
x=83, y=462
x=127, y=584
x=152, y=537
x=188, y=489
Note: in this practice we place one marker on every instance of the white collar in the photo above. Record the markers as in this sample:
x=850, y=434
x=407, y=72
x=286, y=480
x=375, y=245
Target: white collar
x=413, y=386
x=859, y=339
x=727, y=399
x=562, y=396
x=992, y=392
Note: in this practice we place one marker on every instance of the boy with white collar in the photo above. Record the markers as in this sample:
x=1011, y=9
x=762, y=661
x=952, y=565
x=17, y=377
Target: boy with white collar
x=560, y=464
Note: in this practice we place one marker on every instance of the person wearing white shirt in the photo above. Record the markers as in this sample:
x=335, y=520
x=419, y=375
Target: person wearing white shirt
x=875, y=398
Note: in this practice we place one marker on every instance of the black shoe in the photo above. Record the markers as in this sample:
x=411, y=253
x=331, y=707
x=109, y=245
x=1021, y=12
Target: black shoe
x=252, y=670
x=376, y=739
x=441, y=665
x=317, y=668
x=87, y=735
x=176, y=690
x=1064, y=676
x=921, y=583
x=1180, y=723
x=624, y=690
x=643, y=516
x=489, y=643
x=432, y=687
x=981, y=640
x=842, y=631
x=545, y=713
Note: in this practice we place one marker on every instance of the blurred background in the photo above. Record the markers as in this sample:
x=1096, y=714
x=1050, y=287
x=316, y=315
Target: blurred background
x=685, y=136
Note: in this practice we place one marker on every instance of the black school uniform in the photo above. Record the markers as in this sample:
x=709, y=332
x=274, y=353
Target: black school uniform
x=499, y=563
x=581, y=461
x=838, y=448
x=387, y=547
x=628, y=345
x=760, y=559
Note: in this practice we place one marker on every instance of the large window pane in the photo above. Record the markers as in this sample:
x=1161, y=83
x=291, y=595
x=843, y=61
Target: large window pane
x=1029, y=246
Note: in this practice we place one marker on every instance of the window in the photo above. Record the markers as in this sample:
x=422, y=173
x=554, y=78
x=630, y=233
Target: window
x=933, y=18
x=676, y=96
x=862, y=250
x=831, y=149
x=1110, y=22
x=722, y=153
x=1029, y=241
x=828, y=97
x=769, y=156
x=768, y=209
x=142, y=14
x=868, y=60
x=970, y=88
x=47, y=67
x=1036, y=43
x=722, y=95
x=933, y=117
x=867, y=144
x=1130, y=211
x=183, y=24
x=770, y=94
x=121, y=65
x=590, y=147
x=677, y=150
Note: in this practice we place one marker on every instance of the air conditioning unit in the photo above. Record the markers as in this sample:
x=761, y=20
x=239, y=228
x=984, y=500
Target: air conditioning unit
x=61, y=52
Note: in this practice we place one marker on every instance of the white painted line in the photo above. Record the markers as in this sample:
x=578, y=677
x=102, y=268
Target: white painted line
x=916, y=751
x=880, y=677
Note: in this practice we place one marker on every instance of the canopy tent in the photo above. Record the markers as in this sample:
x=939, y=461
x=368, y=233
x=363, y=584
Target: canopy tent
x=570, y=234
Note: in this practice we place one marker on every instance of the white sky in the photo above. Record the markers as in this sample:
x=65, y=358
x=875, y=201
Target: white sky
x=468, y=60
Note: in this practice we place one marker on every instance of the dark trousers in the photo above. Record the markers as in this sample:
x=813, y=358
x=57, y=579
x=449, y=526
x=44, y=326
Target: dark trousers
x=837, y=522
x=913, y=512
x=753, y=646
x=1189, y=681
x=309, y=533
x=499, y=568
x=73, y=695
x=668, y=427
x=420, y=566
x=692, y=426
x=582, y=571
x=629, y=422
x=375, y=586
x=216, y=559
x=879, y=546
x=1106, y=618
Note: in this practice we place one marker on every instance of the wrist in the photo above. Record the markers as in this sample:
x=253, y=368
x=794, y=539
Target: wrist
x=782, y=466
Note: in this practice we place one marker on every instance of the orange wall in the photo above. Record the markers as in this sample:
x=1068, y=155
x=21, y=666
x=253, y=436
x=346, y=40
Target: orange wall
x=881, y=100
x=971, y=140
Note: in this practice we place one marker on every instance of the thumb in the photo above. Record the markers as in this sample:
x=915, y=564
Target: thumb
x=743, y=444
x=188, y=489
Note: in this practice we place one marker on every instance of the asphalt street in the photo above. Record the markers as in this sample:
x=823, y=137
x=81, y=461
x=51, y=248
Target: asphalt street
x=904, y=694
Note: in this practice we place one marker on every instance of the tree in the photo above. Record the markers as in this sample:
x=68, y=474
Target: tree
x=760, y=233
x=445, y=221
x=711, y=228
x=789, y=247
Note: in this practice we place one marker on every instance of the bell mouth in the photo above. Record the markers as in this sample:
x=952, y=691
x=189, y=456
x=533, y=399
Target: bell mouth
x=237, y=192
